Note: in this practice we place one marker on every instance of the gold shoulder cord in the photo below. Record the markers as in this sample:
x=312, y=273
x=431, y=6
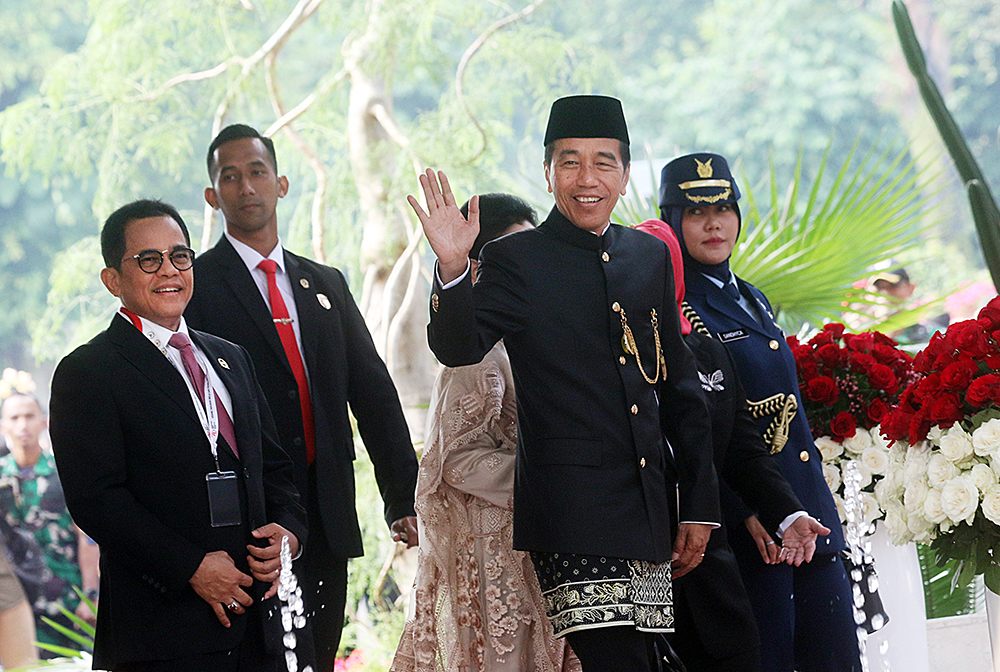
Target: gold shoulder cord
x=692, y=317
x=630, y=346
x=783, y=405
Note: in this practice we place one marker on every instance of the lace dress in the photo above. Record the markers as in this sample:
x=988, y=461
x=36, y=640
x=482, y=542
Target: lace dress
x=477, y=604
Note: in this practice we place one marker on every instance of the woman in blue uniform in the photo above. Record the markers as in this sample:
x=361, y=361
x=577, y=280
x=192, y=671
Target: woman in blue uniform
x=803, y=613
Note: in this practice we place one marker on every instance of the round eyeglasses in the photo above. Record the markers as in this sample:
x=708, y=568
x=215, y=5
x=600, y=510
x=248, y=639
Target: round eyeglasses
x=150, y=260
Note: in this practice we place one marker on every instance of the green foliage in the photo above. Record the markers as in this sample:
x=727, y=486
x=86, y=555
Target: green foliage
x=763, y=80
x=939, y=597
x=82, y=635
x=984, y=207
x=806, y=245
x=805, y=249
x=375, y=615
x=972, y=547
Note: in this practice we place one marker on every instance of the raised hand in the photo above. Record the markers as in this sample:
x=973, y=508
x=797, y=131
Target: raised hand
x=450, y=234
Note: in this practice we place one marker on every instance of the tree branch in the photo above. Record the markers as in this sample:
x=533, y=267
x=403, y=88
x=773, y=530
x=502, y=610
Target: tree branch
x=318, y=212
x=307, y=102
x=302, y=11
x=471, y=51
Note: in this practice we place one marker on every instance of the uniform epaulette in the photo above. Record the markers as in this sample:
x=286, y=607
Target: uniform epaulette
x=692, y=316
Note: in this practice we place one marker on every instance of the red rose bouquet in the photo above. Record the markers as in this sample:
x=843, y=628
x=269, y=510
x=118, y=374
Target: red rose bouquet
x=941, y=487
x=848, y=384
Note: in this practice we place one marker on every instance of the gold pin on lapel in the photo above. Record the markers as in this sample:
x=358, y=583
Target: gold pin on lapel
x=223, y=363
x=304, y=283
x=323, y=301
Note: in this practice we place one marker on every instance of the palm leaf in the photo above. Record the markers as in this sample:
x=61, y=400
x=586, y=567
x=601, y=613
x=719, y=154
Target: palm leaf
x=807, y=261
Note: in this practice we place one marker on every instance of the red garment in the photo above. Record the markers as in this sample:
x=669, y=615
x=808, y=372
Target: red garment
x=662, y=231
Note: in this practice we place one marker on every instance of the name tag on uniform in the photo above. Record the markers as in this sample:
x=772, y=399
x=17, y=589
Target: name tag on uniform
x=734, y=335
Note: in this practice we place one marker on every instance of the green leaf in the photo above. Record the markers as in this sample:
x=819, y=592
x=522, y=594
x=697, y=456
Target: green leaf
x=992, y=577
x=966, y=573
x=81, y=639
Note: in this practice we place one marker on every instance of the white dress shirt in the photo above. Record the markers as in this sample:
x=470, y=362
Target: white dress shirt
x=251, y=258
x=159, y=336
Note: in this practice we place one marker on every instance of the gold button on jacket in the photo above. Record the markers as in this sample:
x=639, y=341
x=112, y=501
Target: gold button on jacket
x=773, y=345
x=804, y=456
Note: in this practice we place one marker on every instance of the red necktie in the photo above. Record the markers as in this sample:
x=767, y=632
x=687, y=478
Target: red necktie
x=287, y=334
x=197, y=376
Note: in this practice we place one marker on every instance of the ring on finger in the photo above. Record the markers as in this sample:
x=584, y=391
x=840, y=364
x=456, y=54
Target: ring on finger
x=234, y=605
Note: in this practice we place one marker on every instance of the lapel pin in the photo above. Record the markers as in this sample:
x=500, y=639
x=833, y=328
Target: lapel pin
x=323, y=301
x=304, y=283
x=223, y=363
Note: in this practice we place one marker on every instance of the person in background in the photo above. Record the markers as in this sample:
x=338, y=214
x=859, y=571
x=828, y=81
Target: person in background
x=315, y=359
x=17, y=621
x=804, y=613
x=32, y=501
x=477, y=601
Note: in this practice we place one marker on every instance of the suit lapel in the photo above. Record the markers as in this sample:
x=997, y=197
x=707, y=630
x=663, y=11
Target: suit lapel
x=237, y=277
x=308, y=307
x=225, y=372
x=150, y=362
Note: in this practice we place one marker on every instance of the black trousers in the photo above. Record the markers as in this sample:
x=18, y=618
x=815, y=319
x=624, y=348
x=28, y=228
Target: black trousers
x=619, y=648
x=248, y=656
x=323, y=579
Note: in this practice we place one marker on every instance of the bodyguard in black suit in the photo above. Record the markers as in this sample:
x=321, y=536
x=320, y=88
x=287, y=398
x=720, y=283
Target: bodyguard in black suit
x=804, y=613
x=185, y=564
x=592, y=342
x=341, y=369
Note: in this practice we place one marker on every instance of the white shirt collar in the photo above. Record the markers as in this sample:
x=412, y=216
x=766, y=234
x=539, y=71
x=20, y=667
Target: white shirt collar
x=718, y=283
x=252, y=257
x=158, y=335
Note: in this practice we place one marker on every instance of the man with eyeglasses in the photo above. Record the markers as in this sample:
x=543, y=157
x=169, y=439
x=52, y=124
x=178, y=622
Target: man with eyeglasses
x=169, y=460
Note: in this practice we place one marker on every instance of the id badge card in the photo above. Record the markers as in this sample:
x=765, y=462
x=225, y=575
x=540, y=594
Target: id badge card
x=223, y=498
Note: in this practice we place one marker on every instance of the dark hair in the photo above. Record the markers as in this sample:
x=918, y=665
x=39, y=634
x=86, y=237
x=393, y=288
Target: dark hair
x=113, y=233
x=26, y=395
x=236, y=132
x=623, y=149
x=497, y=213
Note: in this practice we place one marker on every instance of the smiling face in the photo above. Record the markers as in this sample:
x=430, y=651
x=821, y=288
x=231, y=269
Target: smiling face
x=246, y=189
x=586, y=176
x=161, y=296
x=710, y=232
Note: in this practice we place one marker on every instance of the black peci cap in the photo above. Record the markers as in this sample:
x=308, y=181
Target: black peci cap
x=697, y=179
x=586, y=117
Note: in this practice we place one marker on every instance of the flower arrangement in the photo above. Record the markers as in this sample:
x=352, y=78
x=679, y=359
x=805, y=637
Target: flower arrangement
x=848, y=384
x=942, y=484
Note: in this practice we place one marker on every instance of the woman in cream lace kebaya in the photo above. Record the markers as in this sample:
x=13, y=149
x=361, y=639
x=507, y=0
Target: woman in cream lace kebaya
x=477, y=603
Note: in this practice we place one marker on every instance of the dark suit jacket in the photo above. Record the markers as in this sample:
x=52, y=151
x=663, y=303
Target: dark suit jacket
x=590, y=475
x=712, y=595
x=343, y=367
x=132, y=456
x=766, y=367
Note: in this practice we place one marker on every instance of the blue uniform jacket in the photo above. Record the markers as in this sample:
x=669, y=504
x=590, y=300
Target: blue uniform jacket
x=766, y=367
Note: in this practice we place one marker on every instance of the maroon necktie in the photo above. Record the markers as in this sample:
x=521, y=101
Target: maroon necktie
x=286, y=333
x=197, y=376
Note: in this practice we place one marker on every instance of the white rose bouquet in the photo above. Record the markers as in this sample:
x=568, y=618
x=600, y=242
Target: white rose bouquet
x=942, y=481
